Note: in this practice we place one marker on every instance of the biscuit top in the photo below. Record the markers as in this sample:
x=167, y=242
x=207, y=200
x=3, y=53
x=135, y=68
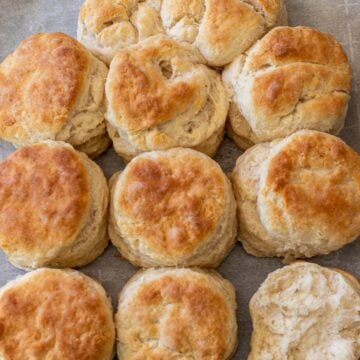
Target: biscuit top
x=170, y=202
x=297, y=68
x=169, y=314
x=55, y=314
x=284, y=45
x=311, y=185
x=230, y=27
x=221, y=29
x=102, y=14
x=44, y=199
x=39, y=85
x=293, y=78
x=161, y=95
x=120, y=23
x=152, y=82
x=306, y=311
x=268, y=9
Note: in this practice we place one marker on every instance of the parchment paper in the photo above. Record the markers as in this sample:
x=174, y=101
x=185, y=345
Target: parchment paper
x=20, y=18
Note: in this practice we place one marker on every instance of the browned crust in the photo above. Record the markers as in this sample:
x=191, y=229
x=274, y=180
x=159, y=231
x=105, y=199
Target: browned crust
x=55, y=314
x=284, y=44
x=191, y=312
x=39, y=85
x=139, y=95
x=173, y=203
x=317, y=178
x=44, y=198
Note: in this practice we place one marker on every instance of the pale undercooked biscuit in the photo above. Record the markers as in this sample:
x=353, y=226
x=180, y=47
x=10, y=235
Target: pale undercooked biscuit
x=305, y=311
x=220, y=29
x=298, y=197
x=53, y=207
x=293, y=78
x=183, y=314
x=161, y=95
x=52, y=88
x=172, y=208
x=55, y=314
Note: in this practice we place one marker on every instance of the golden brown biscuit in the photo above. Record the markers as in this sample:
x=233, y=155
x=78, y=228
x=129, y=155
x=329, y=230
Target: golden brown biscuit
x=172, y=208
x=293, y=78
x=53, y=207
x=161, y=95
x=55, y=314
x=305, y=311
x=298, y=197
x=52, y=88
x=176, y=314
x=106, y=26
x=220, y=29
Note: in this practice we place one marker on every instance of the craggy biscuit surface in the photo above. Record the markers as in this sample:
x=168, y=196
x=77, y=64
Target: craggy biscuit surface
x=298, y=197
x=161, y=95
x=51, y=87
x=176, y=313
x=53, y=206
x=55, y=314
x=293, y=78
x=173, y=207
x=305, y=311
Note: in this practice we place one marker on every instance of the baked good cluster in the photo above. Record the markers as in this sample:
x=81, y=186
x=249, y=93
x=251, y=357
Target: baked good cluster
x=163, y=82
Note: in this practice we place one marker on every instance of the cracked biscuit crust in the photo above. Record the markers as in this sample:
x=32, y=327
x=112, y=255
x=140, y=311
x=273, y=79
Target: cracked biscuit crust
x=55, y=314
x=51, y=87
x=161, y=95
x=298, y=197
x=292, y=79
x=176, y=314
x=305, y=311
x=220, y=29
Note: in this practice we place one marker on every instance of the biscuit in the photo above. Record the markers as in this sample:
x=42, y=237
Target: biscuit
x=55, y=314
x=176, y=314
x=52, y=88
x=220, y=29
x=305, y=311
x=172, y=208
x=298, y=197
x=107, y=26
x=53, y=207
x=293, y=78
x=161, y=95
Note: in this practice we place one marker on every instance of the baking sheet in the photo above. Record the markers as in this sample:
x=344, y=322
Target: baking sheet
x=20, y=18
